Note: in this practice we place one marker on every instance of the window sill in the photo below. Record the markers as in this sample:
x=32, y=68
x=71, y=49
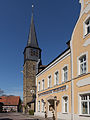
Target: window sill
x=65, y=113
x=43, y=112
x=84, y=115
x=49, y=87
x=56, y=85
x=64, y=81
x=42, y=89
x=80, y=75
x=84, y=36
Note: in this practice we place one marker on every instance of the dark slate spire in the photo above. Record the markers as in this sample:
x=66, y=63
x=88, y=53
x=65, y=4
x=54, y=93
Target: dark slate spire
x=32, y=41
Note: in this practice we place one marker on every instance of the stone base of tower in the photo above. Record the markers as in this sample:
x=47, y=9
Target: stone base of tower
x=28, y=107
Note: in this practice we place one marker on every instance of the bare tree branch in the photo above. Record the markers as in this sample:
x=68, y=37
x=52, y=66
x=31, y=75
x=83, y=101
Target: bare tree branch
x=1, y=92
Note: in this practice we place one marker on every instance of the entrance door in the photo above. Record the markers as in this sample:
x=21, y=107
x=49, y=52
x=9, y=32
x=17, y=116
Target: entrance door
x=51, y=109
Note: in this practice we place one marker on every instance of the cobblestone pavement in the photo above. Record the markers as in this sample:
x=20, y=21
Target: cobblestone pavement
x=18, y=116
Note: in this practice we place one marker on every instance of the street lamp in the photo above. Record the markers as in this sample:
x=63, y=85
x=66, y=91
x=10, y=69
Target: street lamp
x=33, y=91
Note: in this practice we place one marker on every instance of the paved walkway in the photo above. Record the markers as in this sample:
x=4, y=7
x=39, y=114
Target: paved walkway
x=19, y=116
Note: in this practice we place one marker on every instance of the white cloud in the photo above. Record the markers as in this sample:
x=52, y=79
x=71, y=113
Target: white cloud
x=17, y=91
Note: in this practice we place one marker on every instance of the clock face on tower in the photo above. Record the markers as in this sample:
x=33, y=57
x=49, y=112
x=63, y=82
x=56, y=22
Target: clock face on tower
x=34, y=52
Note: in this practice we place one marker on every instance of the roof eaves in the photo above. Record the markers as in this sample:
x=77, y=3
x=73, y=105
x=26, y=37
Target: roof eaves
x=54, y=60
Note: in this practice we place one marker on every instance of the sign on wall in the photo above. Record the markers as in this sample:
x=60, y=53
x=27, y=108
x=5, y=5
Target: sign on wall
x=59, y=89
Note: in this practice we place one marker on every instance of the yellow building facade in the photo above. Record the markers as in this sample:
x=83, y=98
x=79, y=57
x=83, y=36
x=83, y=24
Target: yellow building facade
x=63, y=87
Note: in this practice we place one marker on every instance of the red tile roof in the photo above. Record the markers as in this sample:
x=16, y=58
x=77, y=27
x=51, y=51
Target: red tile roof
x=10, y=100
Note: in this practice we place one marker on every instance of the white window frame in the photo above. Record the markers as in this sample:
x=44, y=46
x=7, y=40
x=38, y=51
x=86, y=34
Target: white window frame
x=63, y=80
x=83, y=70
x=81, y=101
x=63, y=104
x=38, y=86
x=38, y=106
x=78, y=63
x=49, y=81
x=55, y=81
x=43, y=84
x=85, y=26
x=42, y=105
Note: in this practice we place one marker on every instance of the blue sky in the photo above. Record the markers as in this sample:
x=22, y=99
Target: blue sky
x=54, y=22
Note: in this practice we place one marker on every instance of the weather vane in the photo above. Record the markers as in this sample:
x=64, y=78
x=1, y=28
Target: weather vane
x=32, y=8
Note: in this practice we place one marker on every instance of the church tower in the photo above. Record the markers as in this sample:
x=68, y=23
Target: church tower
x=32, y=60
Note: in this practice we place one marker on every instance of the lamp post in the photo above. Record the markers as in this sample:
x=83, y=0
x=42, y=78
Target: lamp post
x=33, y=91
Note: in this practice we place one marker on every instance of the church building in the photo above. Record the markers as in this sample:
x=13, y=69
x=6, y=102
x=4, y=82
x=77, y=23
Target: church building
x=32, y=62
x=63, y=86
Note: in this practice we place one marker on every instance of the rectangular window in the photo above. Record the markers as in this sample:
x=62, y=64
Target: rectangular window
x=87, y=26
x=65, y=73
x=43, y=84
x=38, y=86
x=38, y=106
x=49, y=81
x=85, y=104
x=42, y=106
x=56, y=78
x=82, y=61
x=65, y=104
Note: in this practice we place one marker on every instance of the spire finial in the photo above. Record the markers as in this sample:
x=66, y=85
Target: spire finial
x=32, y=8
x=32, y=41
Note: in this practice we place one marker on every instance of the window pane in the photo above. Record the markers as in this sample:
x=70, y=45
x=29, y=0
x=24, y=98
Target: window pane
x=81, y=97
x=49, y=81
x=84, y=58
x=43, y=84
x=56, y=77
x=81, y=60
x=65, y=104
x=65, y=98
x=87, y=23
x=39, y=86
x=85, y=97
x=89, y=97
x=65, y=107
x=65, y=73
x=64, y=76
x=84, y=67
x=42, y=106
x=81, y=68
x=89, y=107
x=84, y=108
x=88, y=29
x=65, y=68
x=38, y=106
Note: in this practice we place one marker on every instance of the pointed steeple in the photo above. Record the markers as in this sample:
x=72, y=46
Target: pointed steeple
x=32, y=40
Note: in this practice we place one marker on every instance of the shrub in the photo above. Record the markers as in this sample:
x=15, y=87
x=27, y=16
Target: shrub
x=31, y=112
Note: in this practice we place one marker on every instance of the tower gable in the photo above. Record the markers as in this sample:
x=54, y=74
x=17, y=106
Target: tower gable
x=80, y=40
